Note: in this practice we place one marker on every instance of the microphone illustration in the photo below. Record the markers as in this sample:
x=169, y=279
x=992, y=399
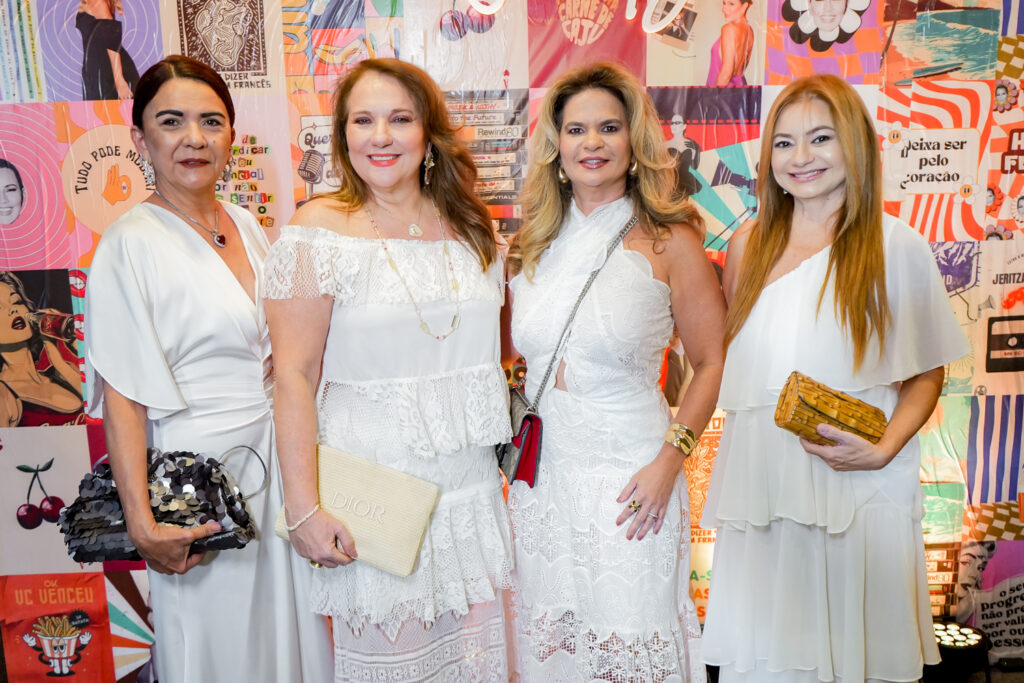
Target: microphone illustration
x=311, y=169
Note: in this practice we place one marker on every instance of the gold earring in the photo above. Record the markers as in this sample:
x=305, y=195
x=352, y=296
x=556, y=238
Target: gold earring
x=634, y=167
x=428, y=163
x=562, y=178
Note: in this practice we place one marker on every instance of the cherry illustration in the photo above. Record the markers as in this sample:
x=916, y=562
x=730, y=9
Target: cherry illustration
x=30, y=516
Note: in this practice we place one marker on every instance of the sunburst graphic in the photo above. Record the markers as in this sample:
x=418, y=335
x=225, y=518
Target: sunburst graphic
x=130, y=635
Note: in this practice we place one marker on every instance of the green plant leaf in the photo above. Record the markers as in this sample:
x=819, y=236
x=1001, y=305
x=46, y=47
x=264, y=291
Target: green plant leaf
x=49, y=463
x=26, y=468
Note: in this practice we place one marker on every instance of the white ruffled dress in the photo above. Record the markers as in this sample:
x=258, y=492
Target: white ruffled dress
x=590, y=605
x=819, y=575
x=391, y=394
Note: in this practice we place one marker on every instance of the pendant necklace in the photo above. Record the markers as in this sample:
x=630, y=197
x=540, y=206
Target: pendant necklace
x=414, y=229
x=219, y=240
x=457, y=318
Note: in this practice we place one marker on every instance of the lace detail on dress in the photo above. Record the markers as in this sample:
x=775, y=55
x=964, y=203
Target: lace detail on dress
x=653, y=659
x=453, y=650
x=431, y=415
x=310, y=262
x=464, y=561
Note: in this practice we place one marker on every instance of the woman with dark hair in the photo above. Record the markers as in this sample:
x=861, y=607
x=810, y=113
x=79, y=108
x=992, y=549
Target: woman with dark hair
x=602, y=539
x=39, y=376
x=193, y=372
x=383, y=301
x=12, y=193
x=108, y=72
x=819, y=571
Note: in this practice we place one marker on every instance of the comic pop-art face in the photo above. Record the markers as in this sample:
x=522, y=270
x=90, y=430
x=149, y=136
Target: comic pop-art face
x=807, y=159
x=677, y=125
x=14, y=316
x=733, y=9
x=11, y=196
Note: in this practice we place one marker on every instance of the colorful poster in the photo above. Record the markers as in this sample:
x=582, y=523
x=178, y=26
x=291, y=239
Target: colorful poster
x=232, y=36
x=493, y=125
x=35, y=231
x=21, y=79
x=960, y=267
x=101, y=171
x=41, y=469
x=261, y=175
x=689, y=50
x=322, y=40
x=56, y=626
x=991, y=581
x=841, y=38
x=944, y=440
x=97, y=49
x=995, y=337
x=40, y=380
x=466, y=50
x=565, y=34
x=130, y=630
x=934, y=156
x=714, y=138
x=994, y=449
x=311, y=157
x=697, y=469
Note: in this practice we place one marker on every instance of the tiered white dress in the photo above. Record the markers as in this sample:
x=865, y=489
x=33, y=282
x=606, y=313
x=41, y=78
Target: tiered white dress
x=590, y=605
x=394, y=395
x=169, y=326
x=819, y=575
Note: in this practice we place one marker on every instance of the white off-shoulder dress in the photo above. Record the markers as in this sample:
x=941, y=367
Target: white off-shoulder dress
x=169, y=326
x=590, y=605
x=433, y=408
x=819, y=575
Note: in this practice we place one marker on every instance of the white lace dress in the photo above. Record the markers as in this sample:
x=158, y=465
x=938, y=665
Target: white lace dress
x=394, y=395
x=590, y=605
x=819, y=575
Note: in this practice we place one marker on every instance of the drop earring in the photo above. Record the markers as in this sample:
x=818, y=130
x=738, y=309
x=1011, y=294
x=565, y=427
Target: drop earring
x=226, y=174
x=562, y=178
x=634, y=167
x=148, y=174
x=428, y=163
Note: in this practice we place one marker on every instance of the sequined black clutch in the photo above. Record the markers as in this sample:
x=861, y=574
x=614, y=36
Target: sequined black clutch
x=185, y=489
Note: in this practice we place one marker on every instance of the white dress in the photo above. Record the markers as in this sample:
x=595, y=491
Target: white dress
x=818, y=574
x=394, y=395
x=590, y=605
x=169, y=326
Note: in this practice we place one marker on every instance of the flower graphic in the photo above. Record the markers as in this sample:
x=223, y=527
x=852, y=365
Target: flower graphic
x=1006, y=94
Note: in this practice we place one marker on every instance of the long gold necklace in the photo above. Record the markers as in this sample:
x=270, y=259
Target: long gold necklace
x=457, y=318
x=414, y=229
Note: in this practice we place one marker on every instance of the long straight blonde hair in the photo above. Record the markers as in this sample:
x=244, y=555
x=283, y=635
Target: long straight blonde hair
x=651, y=189
x=857, y=260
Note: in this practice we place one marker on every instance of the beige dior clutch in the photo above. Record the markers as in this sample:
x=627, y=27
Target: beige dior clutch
x=804, y=404
x=386, y=511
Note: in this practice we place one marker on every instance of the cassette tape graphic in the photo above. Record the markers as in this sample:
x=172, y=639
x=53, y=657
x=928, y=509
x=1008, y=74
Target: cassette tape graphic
x=1005, y=351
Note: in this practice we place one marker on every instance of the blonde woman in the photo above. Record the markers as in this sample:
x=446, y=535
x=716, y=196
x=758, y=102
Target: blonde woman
x=602, y=539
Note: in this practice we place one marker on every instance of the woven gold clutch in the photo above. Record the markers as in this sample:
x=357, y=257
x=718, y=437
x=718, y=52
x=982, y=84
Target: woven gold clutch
x=386, y=511
x=804, y=404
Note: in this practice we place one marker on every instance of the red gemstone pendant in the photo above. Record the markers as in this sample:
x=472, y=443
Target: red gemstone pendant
x=220, y=240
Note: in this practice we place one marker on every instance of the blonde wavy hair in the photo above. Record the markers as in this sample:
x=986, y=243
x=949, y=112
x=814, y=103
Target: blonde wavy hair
x=453, y=176
x=651, y=189
x=857, y=259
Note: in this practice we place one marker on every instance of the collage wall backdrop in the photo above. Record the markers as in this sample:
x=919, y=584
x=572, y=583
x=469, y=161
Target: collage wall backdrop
x=944, y=78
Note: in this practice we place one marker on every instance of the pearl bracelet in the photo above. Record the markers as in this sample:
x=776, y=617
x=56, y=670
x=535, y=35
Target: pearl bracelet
x=293, y=527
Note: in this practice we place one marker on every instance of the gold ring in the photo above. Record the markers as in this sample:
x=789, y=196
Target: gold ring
x=634, y=506
x=315, y=565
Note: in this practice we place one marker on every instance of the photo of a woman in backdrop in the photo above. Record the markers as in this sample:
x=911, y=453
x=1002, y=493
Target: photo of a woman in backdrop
x=819, y=567
x=602, y=539
x=108, y=71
